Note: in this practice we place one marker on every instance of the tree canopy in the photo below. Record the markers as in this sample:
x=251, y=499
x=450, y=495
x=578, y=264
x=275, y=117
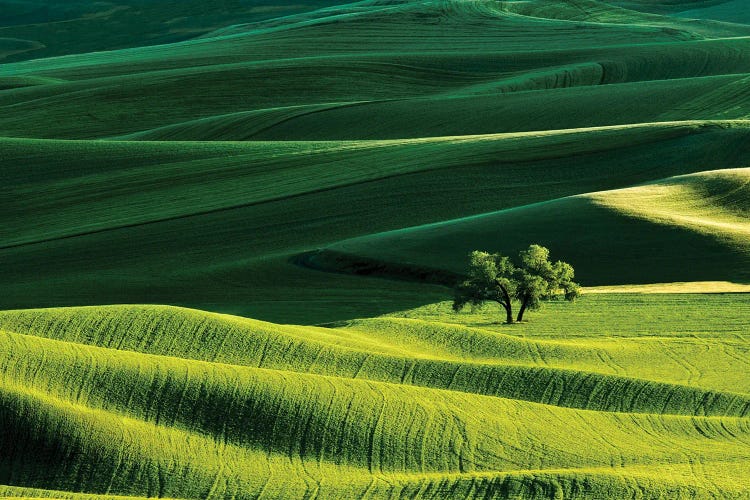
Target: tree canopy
x=493, y=277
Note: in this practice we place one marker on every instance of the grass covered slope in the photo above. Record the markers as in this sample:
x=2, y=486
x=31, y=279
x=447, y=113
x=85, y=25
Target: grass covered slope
x=687, y=225
x=424, y=403
x=713, y=203
x=355, y=120
x=218, y=225
x=73, y=27
x=420, y=54
x=733, y=11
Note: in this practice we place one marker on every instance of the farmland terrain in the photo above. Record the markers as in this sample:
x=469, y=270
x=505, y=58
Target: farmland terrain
x=282, y=194
x=645, y=398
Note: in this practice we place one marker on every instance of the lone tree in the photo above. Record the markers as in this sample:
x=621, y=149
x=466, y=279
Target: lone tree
x=491, y=278
x=495, y=278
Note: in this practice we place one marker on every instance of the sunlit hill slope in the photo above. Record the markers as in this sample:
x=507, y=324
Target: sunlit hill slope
x=159, y=401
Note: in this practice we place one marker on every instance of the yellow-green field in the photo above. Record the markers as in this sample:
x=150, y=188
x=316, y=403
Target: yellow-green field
x=170, y=402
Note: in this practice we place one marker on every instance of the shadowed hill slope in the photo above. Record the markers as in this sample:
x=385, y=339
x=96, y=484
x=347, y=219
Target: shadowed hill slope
x=214, y=225
x=146, y=400
x=656, y=232
x=733, y=11
x=420, y=54
x=489, y=111
x=70, y=27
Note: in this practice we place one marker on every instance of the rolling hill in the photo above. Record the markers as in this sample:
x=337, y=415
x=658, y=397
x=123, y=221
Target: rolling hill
x=379, y=116
x=169, y=402
x=646, y=229
x=227, y=232
x=72, y=27
x=221, y=226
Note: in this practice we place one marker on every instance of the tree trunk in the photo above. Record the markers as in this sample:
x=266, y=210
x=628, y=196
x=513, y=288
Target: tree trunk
x=507, y=305
x=508, y=314
x=523, y=310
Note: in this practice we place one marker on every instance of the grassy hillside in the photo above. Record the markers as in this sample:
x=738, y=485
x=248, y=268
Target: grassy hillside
x=423, y=403
x=71, y=27
x=693, y=225
x=219, y=226
x=407, y=66
x=732, y=11
x=324, y=169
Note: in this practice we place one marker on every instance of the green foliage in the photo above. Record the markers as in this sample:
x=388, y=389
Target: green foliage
x=494, y=277
x=491, y=278
x=539, y=279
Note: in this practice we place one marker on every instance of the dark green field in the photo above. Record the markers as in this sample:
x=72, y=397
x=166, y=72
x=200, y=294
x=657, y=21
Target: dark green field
x=227, y=231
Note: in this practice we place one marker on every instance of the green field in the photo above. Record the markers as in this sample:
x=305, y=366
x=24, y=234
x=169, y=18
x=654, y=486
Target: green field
x=618, y=396
x=228, y=232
